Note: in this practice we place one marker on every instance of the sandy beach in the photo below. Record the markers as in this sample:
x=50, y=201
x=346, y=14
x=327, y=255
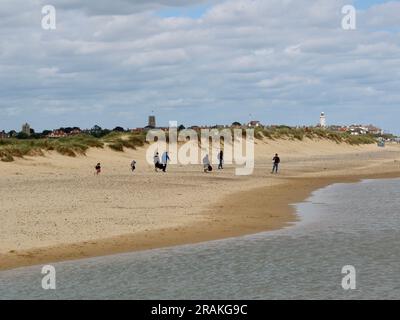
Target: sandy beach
x=53, y=208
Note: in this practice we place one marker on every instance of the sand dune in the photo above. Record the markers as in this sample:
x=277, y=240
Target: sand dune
x=54, y=208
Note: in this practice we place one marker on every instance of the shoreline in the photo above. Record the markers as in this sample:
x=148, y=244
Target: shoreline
x=270, y=209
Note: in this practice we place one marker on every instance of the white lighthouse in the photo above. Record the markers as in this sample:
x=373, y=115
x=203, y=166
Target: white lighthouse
x=322, y=120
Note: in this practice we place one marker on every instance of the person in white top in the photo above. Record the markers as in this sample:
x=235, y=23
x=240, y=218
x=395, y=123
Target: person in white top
x=156, y=162
x=206, y=163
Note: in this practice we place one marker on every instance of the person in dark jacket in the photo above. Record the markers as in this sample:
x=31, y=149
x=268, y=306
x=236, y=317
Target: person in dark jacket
x=133, y=165
x=276, y=160
x=221, y=159
x=157, y=164
x=98, y=169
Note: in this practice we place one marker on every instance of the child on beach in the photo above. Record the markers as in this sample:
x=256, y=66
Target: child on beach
x=98, y=169
x=133, y=165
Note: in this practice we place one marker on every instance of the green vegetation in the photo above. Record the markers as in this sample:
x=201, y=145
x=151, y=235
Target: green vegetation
x=118, y=141
x=70, y=146
x=289, y=133
x=358, y=140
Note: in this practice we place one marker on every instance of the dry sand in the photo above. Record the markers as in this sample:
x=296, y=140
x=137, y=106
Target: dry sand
x=53, y=208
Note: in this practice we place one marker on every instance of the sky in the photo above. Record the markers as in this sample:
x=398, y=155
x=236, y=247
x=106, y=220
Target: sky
x=113, y=63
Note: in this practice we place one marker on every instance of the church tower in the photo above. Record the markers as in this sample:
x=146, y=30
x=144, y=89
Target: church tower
x=152, y=122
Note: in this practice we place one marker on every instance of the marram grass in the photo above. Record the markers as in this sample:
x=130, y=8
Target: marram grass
x=79, y=144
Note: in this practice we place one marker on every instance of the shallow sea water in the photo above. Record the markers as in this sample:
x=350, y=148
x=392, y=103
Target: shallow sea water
x=354, y=224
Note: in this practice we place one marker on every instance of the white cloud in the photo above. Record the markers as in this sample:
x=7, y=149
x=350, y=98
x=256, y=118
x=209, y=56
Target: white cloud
x=281, y=60
x=286, y=80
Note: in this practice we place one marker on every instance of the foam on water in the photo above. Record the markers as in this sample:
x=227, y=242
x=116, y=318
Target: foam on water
x=343, y=224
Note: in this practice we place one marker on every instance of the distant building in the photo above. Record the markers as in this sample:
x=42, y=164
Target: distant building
x=137, y=130
x=75, y=132
x=57, y=134
x=254, y=124
x=61, y=133
x=374, y=130
x=152, y=122
x=356, y=130
x=26, y=128
x=322, y=120
x=3, y=135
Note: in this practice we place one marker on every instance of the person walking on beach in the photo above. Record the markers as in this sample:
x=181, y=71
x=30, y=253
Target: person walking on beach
x=206, y=164
x=165, y=159
x=221, y=159
x=133, y=165
x=156, y=162
x=276, y=161
x=98, y=169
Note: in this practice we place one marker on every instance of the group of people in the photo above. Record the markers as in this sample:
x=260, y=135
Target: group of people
x=158, y=164
x=163, y=162
x=207, y=164
x=98, y=167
